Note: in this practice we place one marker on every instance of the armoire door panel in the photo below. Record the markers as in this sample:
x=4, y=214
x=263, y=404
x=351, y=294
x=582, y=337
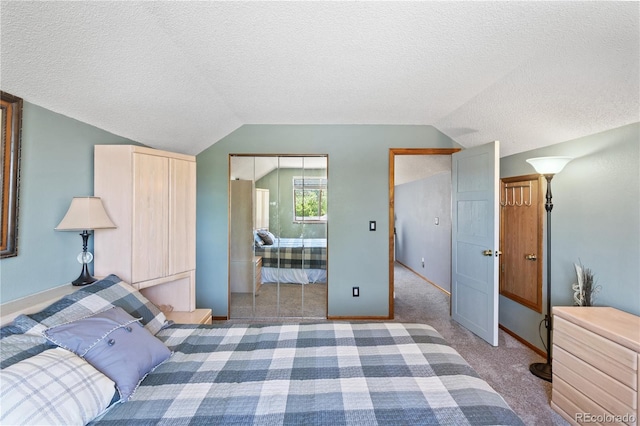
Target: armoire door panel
x=150, y=217
x=182, y=216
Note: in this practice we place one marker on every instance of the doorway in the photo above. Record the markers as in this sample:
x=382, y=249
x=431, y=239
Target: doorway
x=474, y=236
x=419, y=236
x=278, y=222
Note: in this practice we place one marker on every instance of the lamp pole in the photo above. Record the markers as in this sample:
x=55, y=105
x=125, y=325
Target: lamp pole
x=548, y=167
x=539, y=369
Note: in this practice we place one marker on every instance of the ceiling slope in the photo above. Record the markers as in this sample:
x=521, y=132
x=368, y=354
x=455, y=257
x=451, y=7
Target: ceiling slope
x=182, y=75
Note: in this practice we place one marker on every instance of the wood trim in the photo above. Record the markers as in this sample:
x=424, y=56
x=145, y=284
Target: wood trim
x=392, y=156
x=524, y=342
x=424, y=151
x=326, y=225
x=228, y=241
x=356, y=318
x=10, y=157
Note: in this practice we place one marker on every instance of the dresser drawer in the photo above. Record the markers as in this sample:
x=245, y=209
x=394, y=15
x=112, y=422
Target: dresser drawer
x=197, y=316
x=609, y=393
x=572, y=403
x=607, y=356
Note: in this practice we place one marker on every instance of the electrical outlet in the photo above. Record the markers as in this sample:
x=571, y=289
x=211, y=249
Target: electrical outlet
x=423, y=262
x=356, y=291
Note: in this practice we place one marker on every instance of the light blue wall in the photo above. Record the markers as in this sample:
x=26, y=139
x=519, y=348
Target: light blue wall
x=417, y=204
x=595, y=220
x=358, y=174
x=56, y=165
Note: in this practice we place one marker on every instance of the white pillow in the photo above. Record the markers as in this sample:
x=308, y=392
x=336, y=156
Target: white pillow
x=54, y=387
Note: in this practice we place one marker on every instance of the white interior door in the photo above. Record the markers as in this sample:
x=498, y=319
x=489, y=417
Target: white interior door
x=475, y=228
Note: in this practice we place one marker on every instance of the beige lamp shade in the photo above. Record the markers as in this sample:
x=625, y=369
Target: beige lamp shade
x=85, y=213
x=549, y=165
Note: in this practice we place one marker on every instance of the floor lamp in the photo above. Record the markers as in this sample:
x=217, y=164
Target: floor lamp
x=548, y=167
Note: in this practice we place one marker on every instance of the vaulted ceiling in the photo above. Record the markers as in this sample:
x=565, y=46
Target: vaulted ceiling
x=182, y=75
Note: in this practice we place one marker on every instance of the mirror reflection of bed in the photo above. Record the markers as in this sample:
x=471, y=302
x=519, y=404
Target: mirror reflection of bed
x=278, y=236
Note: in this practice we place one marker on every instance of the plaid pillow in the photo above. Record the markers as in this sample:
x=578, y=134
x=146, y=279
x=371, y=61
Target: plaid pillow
x=103, y=294
x=54, y=387
x=16, y=346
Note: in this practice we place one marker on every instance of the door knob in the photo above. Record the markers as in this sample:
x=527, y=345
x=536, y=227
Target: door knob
x=487, y=253
x=530, y=257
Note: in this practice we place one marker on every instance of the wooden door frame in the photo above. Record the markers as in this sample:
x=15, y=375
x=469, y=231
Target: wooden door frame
x=392, y=157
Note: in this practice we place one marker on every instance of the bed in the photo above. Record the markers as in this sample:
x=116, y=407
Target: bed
x=294, y=260
x=318, y=373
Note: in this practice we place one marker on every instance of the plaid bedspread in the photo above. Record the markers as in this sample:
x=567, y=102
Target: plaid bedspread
x=297, y=253
x=311, y=374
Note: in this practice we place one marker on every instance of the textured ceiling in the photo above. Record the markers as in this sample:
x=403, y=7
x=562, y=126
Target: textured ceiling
x=182, y=75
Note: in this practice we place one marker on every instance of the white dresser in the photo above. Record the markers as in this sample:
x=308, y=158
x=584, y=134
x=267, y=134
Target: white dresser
x=595, y=365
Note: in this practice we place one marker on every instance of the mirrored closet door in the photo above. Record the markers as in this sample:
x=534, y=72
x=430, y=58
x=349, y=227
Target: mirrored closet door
x=278, y=236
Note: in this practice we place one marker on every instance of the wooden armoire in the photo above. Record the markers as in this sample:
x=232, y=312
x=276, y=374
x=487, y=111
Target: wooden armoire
x=151, y=197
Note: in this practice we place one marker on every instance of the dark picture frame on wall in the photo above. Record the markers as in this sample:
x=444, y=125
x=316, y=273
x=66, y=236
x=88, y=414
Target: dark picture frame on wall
x=11, y=130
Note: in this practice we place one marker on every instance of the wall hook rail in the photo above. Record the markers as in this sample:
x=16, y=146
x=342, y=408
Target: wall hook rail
x=514, y=201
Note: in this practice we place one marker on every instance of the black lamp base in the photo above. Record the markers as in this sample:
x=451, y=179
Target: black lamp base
x=542, y=370
x=84, y=278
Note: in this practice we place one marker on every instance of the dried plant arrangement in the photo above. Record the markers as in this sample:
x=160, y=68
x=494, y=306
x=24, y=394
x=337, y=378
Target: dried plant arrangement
x=585, y=289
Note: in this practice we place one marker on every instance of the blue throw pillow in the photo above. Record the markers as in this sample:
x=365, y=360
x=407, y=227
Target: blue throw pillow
x=266, y=236
x=256, y=238
x=116, y=344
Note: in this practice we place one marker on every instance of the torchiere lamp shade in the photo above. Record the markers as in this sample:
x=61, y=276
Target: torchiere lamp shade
x=549, y=165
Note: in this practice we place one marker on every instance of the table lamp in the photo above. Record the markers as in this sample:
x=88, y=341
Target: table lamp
x=85, y=214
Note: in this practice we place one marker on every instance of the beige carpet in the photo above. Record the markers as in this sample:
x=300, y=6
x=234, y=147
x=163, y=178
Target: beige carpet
x=505, y=367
